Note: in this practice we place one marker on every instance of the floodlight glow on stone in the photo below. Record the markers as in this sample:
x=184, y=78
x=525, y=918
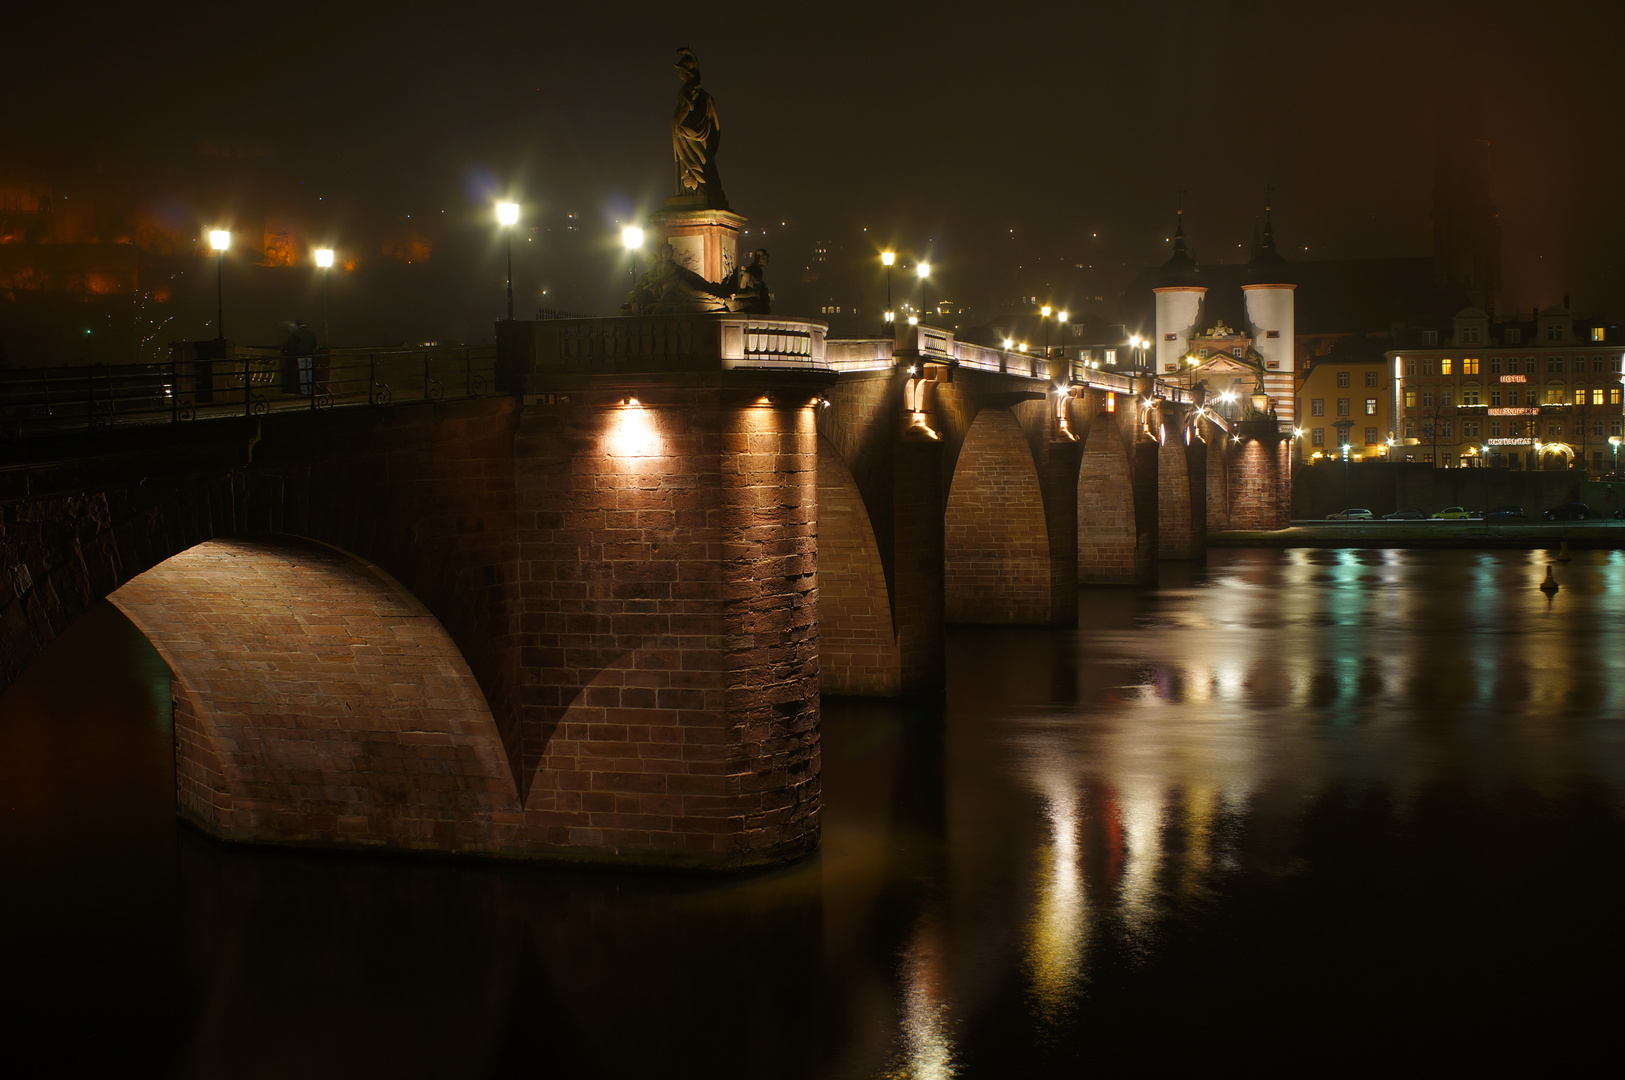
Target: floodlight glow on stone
x=634, y=434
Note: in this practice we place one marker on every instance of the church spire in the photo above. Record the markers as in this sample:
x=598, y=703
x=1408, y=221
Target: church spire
x=1180, y=267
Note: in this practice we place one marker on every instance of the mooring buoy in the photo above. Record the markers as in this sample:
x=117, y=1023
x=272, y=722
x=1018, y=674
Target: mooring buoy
x=1563, y=552
x=1550, y=585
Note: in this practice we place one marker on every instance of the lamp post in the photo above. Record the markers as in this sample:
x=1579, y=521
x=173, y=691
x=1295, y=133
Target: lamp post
x=632, y=240
x=324, y=259
x=887, y=258
x=1613, y=440
x=1043, y=319
x=507, y=217
x=1061, y=317
x=220, y=240
x=924, y=270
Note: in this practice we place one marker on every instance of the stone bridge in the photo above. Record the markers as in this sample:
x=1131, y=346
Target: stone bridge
x=591, y=615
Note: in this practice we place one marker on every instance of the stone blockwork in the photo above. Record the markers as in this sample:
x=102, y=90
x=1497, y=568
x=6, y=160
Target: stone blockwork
x=1181, y=490
x=996, y=548
x=669, y=618
x=1257, y=486
x=317, y=701
x=1117, y=504
x=858, y=649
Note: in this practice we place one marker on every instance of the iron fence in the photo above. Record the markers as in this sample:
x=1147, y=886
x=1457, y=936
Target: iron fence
x=252, y=382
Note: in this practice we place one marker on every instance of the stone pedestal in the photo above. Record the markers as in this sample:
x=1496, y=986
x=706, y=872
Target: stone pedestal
x=703, y=240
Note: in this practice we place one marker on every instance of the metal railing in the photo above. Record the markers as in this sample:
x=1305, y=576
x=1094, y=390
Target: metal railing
x=252, y=382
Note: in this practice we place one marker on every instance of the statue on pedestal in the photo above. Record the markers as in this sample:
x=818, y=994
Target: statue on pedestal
x=696, y=134
x=694, y=269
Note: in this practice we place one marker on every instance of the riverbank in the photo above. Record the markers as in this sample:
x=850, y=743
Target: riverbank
x=1429, y=534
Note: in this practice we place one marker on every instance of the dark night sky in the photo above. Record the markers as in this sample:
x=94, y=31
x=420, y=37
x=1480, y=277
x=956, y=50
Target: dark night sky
x=1001, y=138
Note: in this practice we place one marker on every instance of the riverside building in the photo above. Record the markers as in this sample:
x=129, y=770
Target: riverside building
x=1539, y=391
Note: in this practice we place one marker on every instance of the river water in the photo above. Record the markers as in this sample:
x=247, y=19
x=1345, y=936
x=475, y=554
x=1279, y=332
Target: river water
x=1326, y=810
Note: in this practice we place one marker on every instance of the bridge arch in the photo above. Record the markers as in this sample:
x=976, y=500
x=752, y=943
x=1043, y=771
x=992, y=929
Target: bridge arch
x=859, y=653
x=996, y=547
x=318, y=701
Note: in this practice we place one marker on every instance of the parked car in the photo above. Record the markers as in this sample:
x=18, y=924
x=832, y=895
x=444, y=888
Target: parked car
x=1451, y=513
x=1620, y=513
x=1569, y=511
x=1351, y=515
x=1406, y=513
x=1504, y=513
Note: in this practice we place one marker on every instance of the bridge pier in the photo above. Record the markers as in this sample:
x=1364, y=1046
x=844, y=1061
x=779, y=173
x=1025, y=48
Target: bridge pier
x=668, y=612
x=1181, y=486
x=1249, y=481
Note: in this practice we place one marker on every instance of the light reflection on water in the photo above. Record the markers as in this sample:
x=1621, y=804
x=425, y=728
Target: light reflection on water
x=1363, y=799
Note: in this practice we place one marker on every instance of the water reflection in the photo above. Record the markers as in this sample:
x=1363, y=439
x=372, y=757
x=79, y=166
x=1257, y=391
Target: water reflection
x=1291, y=800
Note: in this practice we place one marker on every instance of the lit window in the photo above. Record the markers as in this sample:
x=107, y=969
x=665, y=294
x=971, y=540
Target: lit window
x=1596, y=395
x=1371, y=406
x=1579, y=397
x=1469, y=366
x=1613, y=395
x=1554, y=395
x=1596, y=333
x=1410, y=399
x=1111, y=356
x=1444, y=366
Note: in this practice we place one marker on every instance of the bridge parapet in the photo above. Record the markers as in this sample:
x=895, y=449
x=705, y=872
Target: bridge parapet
x=656, y=345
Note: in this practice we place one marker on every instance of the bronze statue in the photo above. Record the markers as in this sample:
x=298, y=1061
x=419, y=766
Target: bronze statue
x=695, y=135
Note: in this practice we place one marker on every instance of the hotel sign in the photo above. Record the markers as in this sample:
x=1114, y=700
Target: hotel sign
x=1514, y=412
x=1513, y=378
x=1510, y=442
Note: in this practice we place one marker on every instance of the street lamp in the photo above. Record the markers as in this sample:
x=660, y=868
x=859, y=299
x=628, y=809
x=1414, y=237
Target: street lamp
x=324, y=259
x=924, y=270
x=1043, y=318
x=220, y=240
x=1061, y=317
x=507, y=217
x=632, y=240
x=887, y=258
x=1614, y=440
